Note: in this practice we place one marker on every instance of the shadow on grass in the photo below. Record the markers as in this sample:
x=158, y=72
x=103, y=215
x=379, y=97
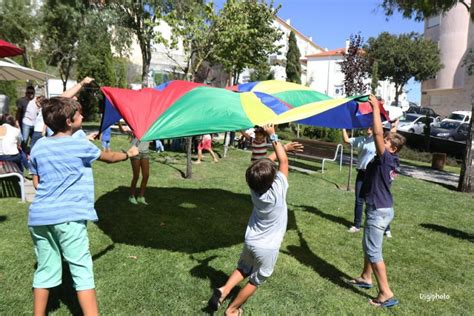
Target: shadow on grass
x=10, y=187
x=176, y=219
x=336, y=219
x=449, y=231
x=64, y=294
x=3, y=218
x=216, y=278
x=326, y=270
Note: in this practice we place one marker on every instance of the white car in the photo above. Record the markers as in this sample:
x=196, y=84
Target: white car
x=404, y=105
x=460, y=116
x=415, y=123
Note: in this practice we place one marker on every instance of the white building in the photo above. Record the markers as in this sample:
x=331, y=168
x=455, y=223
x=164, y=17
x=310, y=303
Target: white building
x=451, y=88
x=278, y=60
x=325, y=75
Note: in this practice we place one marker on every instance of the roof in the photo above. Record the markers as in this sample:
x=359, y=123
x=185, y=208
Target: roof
x=306, y=38
x=334, y=52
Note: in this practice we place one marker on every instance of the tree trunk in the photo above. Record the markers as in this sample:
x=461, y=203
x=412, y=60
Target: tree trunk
x=467, y=169
x=189, y=163
x=145, y=68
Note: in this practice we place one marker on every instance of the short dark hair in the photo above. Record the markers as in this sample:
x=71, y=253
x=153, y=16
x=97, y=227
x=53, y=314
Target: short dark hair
x=260, y=175
x=8, y=119
x=30, y=88
x=57, y=110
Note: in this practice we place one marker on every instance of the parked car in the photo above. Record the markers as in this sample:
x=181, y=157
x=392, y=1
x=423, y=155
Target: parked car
x=404, y=105
x=451, y=130
x=422, y=110
x=460, y=116
x=415, y=123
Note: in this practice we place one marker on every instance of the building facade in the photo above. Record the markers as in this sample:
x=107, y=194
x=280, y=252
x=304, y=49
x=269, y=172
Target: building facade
x=451, y=88
x=325, y=75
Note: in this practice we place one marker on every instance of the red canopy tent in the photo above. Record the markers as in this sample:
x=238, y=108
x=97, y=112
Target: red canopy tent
x=9, y=50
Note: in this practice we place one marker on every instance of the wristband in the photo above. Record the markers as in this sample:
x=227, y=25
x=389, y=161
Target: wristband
x=274, y=137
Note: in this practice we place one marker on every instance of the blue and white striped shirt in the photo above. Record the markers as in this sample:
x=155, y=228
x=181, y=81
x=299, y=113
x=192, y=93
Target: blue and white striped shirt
x=66, y=186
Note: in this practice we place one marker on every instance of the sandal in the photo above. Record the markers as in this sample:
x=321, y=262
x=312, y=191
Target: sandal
x=390, y=302
x=359, y=282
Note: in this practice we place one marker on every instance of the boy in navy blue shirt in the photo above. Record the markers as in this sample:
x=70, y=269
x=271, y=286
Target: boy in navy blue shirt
x=379, y=210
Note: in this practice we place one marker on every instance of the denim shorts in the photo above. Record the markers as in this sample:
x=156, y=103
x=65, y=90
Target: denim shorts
x=376, y=221
x=257, y=263
x=69, y=240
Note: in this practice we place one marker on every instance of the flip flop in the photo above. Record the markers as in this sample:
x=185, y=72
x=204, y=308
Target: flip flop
x=360, y=283
x=390, y=302
x=215, y=300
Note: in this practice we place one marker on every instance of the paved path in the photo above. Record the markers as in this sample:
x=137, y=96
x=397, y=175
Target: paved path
x=431, y=175
x=423, y=173
x=29, y=190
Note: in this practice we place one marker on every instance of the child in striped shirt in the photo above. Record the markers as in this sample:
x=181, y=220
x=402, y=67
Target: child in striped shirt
x=64, y=202
x=259, y=143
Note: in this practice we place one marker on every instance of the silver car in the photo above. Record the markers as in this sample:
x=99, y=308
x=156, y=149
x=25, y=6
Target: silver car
x=415, y=123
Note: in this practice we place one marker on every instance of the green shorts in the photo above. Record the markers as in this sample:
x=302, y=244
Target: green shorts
x=69, y=239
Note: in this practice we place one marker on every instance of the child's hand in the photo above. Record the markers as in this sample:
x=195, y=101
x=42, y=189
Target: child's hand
x=269, y=129
x=92, y=136
x=86, y=80
x=133, y=151
x=374, y=103
x=294, y=147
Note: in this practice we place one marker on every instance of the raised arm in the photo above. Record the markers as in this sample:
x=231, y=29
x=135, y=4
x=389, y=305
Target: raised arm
x=76, y=88
x=280, y=153
x=345, y=137
x=394, y=126
x=244, y=134
x=377, y=127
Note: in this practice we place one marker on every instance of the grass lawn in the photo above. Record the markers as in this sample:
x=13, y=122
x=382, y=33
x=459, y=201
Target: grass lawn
x=165, y=258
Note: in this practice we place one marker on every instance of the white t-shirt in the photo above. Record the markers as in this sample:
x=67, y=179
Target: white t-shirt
x=9, y=142
x=365, y=145
x=267, y=224
x=31, y=113
x=39, y=123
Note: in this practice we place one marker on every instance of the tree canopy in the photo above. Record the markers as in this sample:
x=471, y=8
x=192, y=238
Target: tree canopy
x=293, y=66
x=402, y=57
x=355, y=67
x=421, y=9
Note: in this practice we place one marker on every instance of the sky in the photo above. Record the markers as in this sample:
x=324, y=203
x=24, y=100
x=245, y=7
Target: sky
x=331, y=22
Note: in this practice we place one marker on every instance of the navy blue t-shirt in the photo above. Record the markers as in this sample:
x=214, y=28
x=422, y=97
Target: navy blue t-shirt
x=380, y=173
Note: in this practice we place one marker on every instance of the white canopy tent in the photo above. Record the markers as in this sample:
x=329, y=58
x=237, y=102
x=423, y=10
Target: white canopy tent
x=11, y=71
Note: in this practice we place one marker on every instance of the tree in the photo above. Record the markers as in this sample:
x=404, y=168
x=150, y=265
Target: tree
x=19, y=26
x=140, y=18
x=245, y=36
x=355, y=67
x=60, y=21
x=194, y=27
x=262, y=72
x=402, y=57
x=239, y=36
x=420, y=9
x=94, y=59
x=355, y=70
x=293, y=66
